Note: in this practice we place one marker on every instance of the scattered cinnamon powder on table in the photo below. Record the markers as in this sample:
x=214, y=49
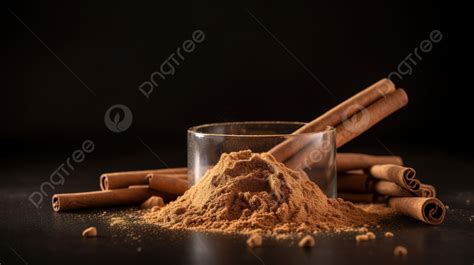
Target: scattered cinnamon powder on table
x=253, y=193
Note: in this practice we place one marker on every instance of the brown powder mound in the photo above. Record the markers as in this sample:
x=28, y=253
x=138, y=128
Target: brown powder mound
x=253, y=193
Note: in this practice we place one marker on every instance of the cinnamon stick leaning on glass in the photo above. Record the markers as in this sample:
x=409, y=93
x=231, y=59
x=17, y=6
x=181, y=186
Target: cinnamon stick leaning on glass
x=333, y=117
x=352, y=126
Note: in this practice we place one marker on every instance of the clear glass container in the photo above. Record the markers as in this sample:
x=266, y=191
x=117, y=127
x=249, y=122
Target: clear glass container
x=207, y=142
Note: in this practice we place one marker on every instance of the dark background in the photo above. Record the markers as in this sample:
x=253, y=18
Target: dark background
x=240, y=72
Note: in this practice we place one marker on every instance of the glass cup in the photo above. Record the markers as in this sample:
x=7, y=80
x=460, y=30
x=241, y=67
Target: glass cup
x=207, y=142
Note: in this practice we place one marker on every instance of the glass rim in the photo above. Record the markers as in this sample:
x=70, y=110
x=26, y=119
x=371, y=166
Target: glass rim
x=194, y=129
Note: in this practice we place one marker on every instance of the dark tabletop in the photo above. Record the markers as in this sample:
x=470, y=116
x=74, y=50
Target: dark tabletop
x=31, y=235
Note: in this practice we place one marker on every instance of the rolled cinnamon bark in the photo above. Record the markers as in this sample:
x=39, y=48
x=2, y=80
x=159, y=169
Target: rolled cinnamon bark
x=119, y=180
x=351, y=128
x=391, y=189
x=426, y=191
x=94, y=199
x=363, y=183
x=403, y=176
x=370, y=116
x=429, y=210
x=168, y=184
x=353, y=161
x=333, y=117
x=354, y=183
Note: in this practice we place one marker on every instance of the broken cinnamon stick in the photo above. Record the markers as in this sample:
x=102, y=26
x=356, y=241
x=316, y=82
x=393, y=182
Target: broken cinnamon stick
x=119, y=180
x=429, y=210
x=94, y=199
x=353, y=161
x=168, y=184
x=333, y=117
x=403, y=176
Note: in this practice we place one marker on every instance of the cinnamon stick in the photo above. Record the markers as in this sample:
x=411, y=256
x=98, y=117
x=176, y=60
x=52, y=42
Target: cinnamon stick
x=391, y=189
x=363, y=183
x=429, y=210
x=333, y=117
x=353, y=161
x=374, y=113
x=426, y=191
x=354, y=183
x=350, y=128
x=168, y=184
x=119, y=180
x=357, y=182
x=403, y=176
x=316, y=154
x=94, y=199
x=357, y=197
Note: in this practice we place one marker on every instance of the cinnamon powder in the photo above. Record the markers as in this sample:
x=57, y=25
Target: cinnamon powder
x=253, y=193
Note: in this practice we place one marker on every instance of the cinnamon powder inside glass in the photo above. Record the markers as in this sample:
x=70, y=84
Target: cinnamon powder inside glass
x=253, y=193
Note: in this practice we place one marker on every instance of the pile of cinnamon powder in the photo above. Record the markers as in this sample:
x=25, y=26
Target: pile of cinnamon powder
x=253, y=193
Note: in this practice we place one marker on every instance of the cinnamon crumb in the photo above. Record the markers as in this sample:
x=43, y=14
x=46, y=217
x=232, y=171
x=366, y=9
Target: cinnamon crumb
x=360, y=238
x=255, y=240
x=156, y=208
x=388, y=234
x=152, y=202
x=90, y=232
x=307, y=241
x=400, y=251
x=370, y=235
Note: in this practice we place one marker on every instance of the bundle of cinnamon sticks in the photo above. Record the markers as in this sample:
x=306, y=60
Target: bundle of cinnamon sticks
x=361, y=176
x=127, y=188
x=370, y=178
